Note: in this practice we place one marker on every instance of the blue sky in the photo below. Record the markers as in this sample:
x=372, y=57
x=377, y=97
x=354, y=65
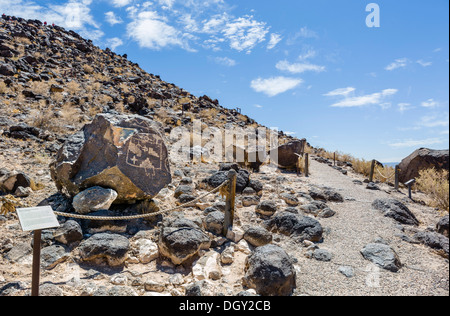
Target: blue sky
x=312, y=68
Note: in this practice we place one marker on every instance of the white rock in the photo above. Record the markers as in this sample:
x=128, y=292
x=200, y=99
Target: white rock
x=147, y=250
x=244, y=247
x=212, y=268
x=119, y=279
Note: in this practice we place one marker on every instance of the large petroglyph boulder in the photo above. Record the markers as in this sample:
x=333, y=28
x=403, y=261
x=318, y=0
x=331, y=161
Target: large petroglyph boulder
x=285, y=156
x=125, y=153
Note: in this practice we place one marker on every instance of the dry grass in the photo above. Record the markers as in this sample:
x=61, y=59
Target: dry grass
x=73, y=88
x=3, y=88
x=436, y=185
x=88, y=69
x=361, y=166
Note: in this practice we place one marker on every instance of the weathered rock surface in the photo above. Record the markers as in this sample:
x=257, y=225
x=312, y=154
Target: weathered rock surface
x=397, y=210
x=383, y=256
x=285, y=155
x=270, y=272
x=442, y=226
x=94, y=199
x=422, y=159
x=181, y=240
x=105, y=247
x=122, y=152
x=303, y=227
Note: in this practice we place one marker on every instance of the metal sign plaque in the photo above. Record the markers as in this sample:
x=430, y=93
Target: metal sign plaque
x=37, y=218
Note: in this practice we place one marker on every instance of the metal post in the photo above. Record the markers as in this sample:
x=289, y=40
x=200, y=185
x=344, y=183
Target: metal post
x=397, y=174
x=306, y=165
x=36, y=263
x=230, y=202
x=372, y=170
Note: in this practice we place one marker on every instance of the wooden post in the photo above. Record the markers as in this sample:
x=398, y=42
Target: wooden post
x=306, y=165
x=334, y=159
x=230, y=202
x=397, y=174
x=372, y=170
x=298, y=166
x=36, y=263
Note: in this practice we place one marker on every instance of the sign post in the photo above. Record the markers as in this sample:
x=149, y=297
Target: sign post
x=36, y=219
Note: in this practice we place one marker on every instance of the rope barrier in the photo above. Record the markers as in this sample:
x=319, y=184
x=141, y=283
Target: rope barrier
x=126, y=218
x=387, y=178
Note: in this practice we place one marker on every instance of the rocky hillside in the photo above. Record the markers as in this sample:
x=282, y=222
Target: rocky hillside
x=329, y=234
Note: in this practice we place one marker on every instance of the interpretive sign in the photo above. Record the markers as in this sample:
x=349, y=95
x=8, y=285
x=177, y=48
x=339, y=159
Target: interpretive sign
x=37, y=218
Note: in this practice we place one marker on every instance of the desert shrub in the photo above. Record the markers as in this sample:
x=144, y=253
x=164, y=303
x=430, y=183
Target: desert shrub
x=436, y=185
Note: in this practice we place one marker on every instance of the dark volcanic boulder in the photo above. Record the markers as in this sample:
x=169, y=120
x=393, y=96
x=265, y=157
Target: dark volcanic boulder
x=422, y=159
x=383, y=256
x=285, y=155
x=396, y=210
x=181, y=240
x=125, y=153
x=105, y=247
x=270, y=271
x=303, y=227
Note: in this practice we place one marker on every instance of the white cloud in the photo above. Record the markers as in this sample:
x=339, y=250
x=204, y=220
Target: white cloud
x=430, y=103
x=114, y=42
x=258, y=106
x=309, y=53
x=112, y=19
x=120, y=3
x=71, y=14
x=298, y=68
x=225, y=61
x=424, y=63
x=403, y=107
x=434, y=121
x=152, y=31
x=306, y=33
x=274, y=40
x=275, y=85
x=340, y=92
x=417, y=143
x=398, y=63
x=370, y=99
x=245, y=33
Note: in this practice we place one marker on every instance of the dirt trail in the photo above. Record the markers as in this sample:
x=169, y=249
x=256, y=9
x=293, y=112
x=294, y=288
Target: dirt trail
x=355, y=225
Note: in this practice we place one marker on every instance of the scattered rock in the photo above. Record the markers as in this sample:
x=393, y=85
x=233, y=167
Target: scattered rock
x=383, y=256
x=270, y=272
x=442, y=226
x=347, y=271
x=302, y=227
x=257, y=236
x=290, y=199
x=266, y=208
x=105, y=247
x=397, y=210
x=182, y=240
x=435, y=241
x=372, y=186
x=94, y=199
x=69, y=233
x=213, y=222
x=53, y=255
x=325, y=194
x=322, y=255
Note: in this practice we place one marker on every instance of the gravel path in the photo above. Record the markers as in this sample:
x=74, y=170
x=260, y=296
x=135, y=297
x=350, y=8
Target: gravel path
x=354, y=226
